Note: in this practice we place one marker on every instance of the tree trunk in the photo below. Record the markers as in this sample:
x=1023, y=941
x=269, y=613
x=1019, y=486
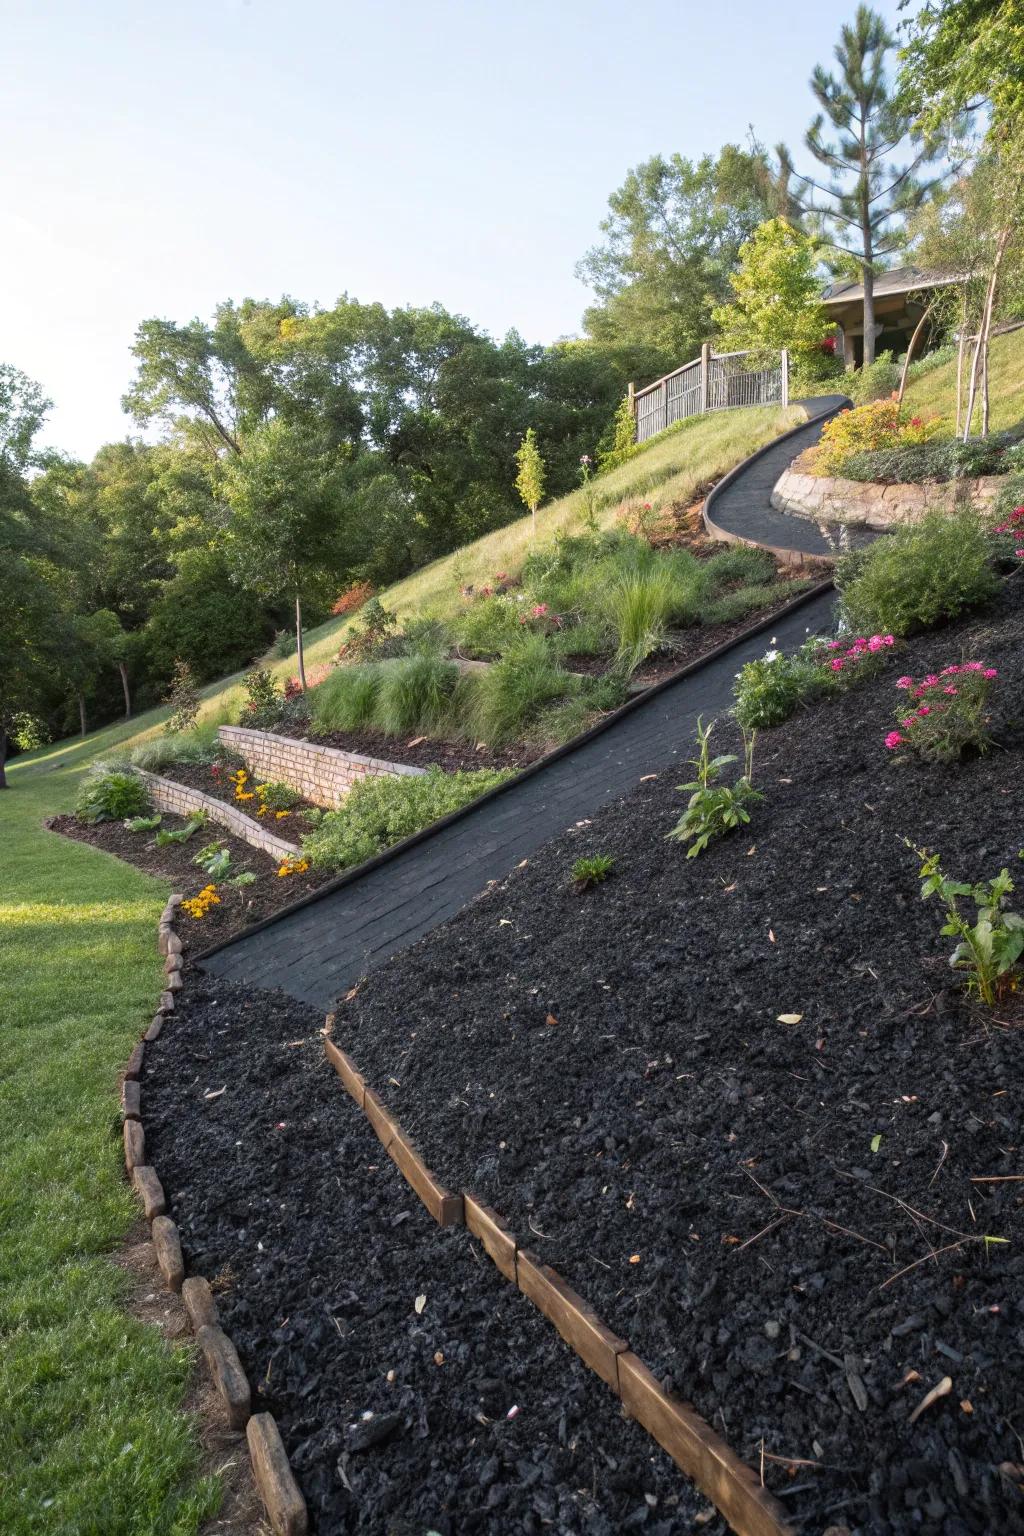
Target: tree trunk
x=81, y=713
x=3, y=758
x=960, y=369
x=869, y=313
x=533, y=514
x=910, y=352
x=298, y=643
x=979, y=369
x=124, y=684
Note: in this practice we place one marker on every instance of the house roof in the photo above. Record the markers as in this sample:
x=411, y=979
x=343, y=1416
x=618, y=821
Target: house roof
x=898, y=280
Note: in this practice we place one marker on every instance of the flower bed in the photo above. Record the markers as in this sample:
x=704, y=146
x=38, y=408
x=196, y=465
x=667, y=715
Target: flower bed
x=746, y=1111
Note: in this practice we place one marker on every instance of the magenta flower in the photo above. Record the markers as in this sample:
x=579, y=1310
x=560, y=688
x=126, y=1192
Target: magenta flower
x=951, y=690
x=925, y=709
x=926, y=682
x=904, y=682
x=990, y=672
x=893, y=740
x=837, y=665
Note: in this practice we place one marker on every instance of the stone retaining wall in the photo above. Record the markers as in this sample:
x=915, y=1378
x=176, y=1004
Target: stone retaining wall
x=825, y=498
x=167, y=795
x=322, y=775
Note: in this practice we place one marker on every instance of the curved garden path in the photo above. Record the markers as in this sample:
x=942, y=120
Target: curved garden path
x=319, y=948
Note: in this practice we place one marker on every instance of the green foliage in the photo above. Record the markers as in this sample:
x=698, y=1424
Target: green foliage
x=198, y=746
x=502, y=703
x=958, y=53
x=772, y=688
x=736, y=563
x=215, y=859
x=111, y=794
x=998, y=454
x=577, y=712
x=183, y=698
x=942, y=719
x=346, y=700
x=990, y=947
x=487, y=626
x=194, y=822
x=750, y=600
x=639, y=607
x=378, y=812
x=263, y=698
x=245, y=878
x=592, y=871
x=530, y=477
x=919, y=575
x=776, y=296
x=415, y=694
x=275, y=796
x=623, y=445
x=715, y=809
x=879, y=425
x=143, y=823
x=876, y=381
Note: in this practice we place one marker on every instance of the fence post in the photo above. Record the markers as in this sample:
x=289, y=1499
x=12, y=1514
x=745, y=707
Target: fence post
x=785, y=376
x=664, y=403
x=705, y=375
x=631, y=397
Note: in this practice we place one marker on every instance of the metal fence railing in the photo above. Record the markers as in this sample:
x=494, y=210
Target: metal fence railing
x=711, y=382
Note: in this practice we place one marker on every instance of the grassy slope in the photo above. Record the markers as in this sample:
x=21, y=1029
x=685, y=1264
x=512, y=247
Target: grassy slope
x=935, y=393
x=90, y=1438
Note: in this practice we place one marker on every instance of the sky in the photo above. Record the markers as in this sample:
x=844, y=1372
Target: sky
x=163, y=155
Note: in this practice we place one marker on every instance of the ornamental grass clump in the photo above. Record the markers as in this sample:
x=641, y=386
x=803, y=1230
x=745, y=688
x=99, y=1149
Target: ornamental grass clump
x=715, y=809
x=592, y=871
x=989, y=949
x=946, y=713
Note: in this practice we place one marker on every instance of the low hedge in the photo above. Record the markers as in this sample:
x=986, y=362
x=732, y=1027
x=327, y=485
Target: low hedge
x=912, y=463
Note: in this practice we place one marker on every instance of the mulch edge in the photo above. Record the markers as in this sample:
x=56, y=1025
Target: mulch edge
x=706, y=1459
x=275, y=1481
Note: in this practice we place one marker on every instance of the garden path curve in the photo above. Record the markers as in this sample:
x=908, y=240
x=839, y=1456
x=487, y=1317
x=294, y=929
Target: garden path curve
x=320, y=947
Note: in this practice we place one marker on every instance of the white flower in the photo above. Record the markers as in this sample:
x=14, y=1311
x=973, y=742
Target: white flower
x=771, y=655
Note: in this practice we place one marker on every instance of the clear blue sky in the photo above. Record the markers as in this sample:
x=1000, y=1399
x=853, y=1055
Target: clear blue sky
x=161, y=155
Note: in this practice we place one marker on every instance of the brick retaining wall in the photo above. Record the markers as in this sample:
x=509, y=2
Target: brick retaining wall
x=167, y=795
x=322, y=775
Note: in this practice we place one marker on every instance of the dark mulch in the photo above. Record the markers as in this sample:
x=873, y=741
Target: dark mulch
x=238, y=907
x=418, y=751
x=214, y=780
x=669, y=1115
x=395, y=1421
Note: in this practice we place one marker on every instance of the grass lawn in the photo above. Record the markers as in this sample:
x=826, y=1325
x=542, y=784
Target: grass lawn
x=91, y=1436
x=92, y=1440
x=935, y=393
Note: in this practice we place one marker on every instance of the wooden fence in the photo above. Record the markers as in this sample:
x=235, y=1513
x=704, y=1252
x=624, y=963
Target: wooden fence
x=711, y=382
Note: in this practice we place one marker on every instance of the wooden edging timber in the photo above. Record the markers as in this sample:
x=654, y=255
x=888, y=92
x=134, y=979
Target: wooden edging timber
x=731, y=1485
x=280, y=1493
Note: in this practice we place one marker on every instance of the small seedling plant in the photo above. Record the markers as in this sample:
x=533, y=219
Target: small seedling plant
x=587, y=873
x=143, y=823
x=715, y=809
x=215, y=859
x=165, y=838
x=989, y=948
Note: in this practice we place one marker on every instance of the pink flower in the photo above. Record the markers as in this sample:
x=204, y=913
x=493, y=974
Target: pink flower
x=925, y=709
x=904, y=682
x=893, y=740
x=888, y=639
x=907, y=723
x=837, y=665
x=972, y=666
x=990, y=672
x=951, y=690
x=835, y=645
x=539, y=610
x=1019, y=553
x=875, y=643
x=949, y=671
x=926, y=682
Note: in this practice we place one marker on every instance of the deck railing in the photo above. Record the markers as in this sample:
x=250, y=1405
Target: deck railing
x=712, y=382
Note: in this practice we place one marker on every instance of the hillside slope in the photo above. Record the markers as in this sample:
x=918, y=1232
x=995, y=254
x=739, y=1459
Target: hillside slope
x=934, y=393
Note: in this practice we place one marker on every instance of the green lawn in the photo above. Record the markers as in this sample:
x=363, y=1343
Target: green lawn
x=935, y=393
x=92, y=1439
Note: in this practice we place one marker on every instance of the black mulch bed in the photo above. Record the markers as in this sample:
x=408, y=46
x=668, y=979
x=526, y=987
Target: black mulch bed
x=216, y=782
x=238, y=906
x=417, y=751
x=669, y=1115
x=318, y=1251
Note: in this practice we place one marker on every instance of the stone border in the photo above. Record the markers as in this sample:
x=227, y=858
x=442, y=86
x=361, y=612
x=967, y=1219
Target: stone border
x=169, y=795
x=282, y=1498
x=732, y=1486
x=322, y=775
x=876, y=504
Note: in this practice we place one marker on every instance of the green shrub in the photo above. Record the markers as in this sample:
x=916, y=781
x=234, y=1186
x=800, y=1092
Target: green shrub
x=378, y=812
x=875, y=382
x=198, y=746
x=346, y=699
x=487, y=626
x=736, y=563
x=414, y=694
x=749, y=600
x=951, y=460
x=772, y=688
x=264, y=700
x=501, y=703
x=183, y=698
x=276, y=796
x=562, y=721
x=111, y=794
x=918, y=576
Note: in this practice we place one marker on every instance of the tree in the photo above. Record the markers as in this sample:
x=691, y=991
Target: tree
x=285, y=530
x=28, y=629
x=869, y=197
x=530, y=479
x=777, y=292
x=23, y=408
x=960, y=55
x=672, y=237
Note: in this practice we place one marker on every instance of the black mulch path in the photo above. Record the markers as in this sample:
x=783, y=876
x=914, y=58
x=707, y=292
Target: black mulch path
x=669, y=1115
x=395, y=1421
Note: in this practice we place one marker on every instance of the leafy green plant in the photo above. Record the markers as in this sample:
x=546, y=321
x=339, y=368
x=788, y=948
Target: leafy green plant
x=622, y=445
x=377, y=812
x=143, y=823
x=111, y=795
x=738, y=563
x=245, y=878
x=183, y=698
x=592, y=871
x=165, y=837
x=275, y=796
x=989, y=947
x=639, y=606
x=919, y=575
x=502, y=703
x=732, y=606
x=770, y=689
x=215, y=859
x=951, y=460
x=875, y=382
x=715, y=809
x=264, y=699
x=414, y=694
x=946, y=713
x=197, y=746
x=530, y=477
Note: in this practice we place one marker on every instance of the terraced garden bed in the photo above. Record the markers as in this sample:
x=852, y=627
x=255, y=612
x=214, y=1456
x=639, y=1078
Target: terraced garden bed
x=740, y=1104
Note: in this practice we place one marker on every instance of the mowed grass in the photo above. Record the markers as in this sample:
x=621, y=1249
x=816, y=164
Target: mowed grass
x=92, y=1438
x=935, y=393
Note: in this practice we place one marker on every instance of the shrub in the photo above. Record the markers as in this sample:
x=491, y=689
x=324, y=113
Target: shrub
x=111, y=794
x=877, y=381
x=770, y=689
x=263, y=700
x=183, y=698
x=867, y=429
x=643, y=520
x=990, y=947
x=375, y=638
x=715, y=809
x=414, y=694
x=592, y=871
x=620, y=444
x=284, y=644
x=910, y=463
x=501, y=704
x=487, y=626
x=275, y=797
x=945, y=713
x=919, y=575
x=197, y=747
x=353, y=598
x=346, y=700
x=738, y=563
x=1008, y=536
x=750, y=600
x=378, y=812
